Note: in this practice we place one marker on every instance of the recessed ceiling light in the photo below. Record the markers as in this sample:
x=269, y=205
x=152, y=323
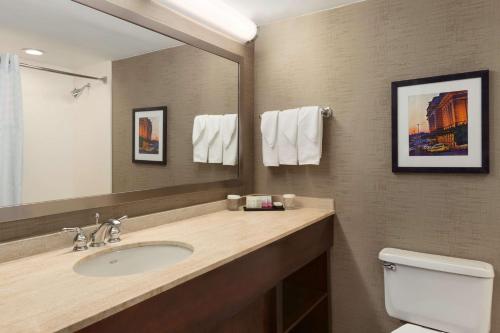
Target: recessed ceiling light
x=33, y=52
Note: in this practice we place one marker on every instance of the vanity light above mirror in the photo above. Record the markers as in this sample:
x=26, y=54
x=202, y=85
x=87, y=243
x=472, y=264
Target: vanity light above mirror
x=216, y=15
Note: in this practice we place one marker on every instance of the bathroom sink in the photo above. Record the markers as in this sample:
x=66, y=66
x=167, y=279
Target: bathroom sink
x=133, y=259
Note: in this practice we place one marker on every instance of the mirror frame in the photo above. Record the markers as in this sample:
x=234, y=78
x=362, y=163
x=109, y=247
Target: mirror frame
x=47, y=208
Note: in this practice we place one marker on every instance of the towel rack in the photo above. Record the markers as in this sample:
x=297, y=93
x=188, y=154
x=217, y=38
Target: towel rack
x=326, y=112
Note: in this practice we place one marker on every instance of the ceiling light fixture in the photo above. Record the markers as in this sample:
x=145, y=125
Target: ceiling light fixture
x=34, y=52
x=217, y=15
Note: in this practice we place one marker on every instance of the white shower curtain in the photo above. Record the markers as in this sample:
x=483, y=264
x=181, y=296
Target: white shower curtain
x=11, y=131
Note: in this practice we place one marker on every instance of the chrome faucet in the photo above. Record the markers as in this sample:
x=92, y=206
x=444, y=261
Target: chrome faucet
x=109, y=229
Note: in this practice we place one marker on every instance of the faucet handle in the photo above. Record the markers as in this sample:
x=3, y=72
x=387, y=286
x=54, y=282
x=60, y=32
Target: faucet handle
x=76, y=229
x=114, y=231
x=80, y=240
x=117, y=221
x=114, y=234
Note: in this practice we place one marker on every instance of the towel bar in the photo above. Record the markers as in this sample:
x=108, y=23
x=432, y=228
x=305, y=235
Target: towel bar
x=326, y=112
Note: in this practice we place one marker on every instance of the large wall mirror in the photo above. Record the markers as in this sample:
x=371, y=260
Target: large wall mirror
x=93, y=105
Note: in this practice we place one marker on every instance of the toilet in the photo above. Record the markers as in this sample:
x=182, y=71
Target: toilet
x=432, y=293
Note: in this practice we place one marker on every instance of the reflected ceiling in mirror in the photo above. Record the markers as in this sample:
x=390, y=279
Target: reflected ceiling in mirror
x=72, y=130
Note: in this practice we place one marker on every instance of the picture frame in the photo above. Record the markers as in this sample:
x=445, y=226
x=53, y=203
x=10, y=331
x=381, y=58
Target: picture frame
x=149, y=135
x=440, y=124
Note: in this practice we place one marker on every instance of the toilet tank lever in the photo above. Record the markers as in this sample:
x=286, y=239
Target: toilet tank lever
x=390, y=266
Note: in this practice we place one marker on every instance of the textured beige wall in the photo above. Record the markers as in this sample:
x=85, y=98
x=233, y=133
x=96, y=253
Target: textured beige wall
x=347, y=58
x=190, y=82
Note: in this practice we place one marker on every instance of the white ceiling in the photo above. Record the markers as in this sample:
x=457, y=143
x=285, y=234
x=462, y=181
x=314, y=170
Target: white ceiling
x=75, y=36
x=72, y=35
x=267, y=11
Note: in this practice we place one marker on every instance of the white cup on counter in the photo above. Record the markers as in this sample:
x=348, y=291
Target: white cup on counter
x=289, y=201
x=233, y=202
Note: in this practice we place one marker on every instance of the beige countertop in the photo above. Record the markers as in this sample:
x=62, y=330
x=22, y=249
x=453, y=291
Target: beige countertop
x=42, y=293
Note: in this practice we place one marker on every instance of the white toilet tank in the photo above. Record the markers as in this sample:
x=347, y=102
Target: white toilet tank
x=443, y=293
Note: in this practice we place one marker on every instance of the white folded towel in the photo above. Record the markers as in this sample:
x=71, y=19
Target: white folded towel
x=229, y=133
x=287, y=137
x=310, y=135
x=214, y=139
x=200, y=139
x=269, y=130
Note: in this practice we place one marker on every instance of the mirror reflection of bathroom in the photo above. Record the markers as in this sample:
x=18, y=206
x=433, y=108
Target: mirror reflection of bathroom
x=72, y=91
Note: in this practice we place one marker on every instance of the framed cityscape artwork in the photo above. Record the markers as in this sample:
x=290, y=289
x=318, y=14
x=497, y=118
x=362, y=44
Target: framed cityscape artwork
x=149, y=144
x=440, y=124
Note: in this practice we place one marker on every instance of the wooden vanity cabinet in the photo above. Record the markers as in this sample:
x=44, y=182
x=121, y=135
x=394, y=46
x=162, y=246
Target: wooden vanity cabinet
x=302, y=299
x=280, y=288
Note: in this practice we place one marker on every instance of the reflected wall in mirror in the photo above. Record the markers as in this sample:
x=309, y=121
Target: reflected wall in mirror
x=68, y=136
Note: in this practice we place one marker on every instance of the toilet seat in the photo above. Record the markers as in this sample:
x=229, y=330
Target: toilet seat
x=409, y=328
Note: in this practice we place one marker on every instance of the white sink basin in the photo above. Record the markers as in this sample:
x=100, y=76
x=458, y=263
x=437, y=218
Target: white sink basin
x=133, y=259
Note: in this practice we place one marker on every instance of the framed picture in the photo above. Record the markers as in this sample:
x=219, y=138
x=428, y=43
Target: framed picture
x=440, y=124
x=149, y=144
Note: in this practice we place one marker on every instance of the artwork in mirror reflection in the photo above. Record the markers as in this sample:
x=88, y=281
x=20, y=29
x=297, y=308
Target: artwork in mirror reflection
x=149, y=137
x=149, y=140
x=73, y=136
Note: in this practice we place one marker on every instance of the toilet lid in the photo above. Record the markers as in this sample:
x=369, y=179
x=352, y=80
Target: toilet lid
x=409, y=328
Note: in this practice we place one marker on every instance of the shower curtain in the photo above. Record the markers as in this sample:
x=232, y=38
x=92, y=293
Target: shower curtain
x=11, y=131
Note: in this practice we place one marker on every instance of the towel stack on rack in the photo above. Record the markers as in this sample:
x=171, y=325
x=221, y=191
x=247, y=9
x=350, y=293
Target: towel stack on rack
x=293, y=137
x=215, y=139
